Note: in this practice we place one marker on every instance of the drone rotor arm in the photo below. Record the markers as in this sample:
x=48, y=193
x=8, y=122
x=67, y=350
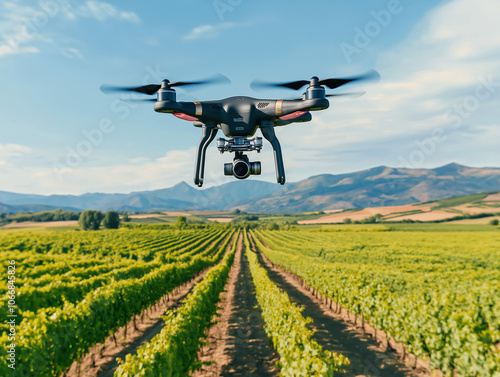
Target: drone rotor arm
x=193, y=109
x=291, y=106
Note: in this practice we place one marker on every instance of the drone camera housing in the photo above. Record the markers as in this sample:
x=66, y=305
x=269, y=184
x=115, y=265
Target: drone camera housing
x=241, y=168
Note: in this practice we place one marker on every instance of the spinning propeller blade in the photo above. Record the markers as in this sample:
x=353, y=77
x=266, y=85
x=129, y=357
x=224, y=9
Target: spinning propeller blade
x=330, y=83
x=153, y=88
x=217, y=79
x=335, y=83
x=295, y=85
x=146, y=89
x=138, y=99
x=354, y=94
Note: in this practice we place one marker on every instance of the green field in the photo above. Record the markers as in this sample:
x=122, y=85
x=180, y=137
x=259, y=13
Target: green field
x=432, y=287
x=434, y=291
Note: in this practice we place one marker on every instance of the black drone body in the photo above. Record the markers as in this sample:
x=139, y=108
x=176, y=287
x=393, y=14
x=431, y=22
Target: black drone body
x=240, y=117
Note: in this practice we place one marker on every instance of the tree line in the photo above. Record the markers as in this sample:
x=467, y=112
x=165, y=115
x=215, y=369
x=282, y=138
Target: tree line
x=56, y=215
x=88, y=219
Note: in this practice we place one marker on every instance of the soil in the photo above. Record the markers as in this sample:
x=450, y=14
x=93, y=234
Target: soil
x=364, y=213
x=102, y=362
x=492, y=198
x=367, y=351
x=146, y=216
x=426, y=216
x=470, y=208
x=25, y=224
x=170, y=213
x=220, y=219
x=237, y=344
x=150, y=325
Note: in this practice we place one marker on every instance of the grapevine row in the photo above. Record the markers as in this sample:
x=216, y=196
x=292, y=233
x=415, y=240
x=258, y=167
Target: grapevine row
x=300, y=355
x=456, y=326
x=51, y=340
x=173, y=351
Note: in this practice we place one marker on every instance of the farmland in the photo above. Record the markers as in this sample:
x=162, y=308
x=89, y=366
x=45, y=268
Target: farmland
x=437, y=293
x=432, y=293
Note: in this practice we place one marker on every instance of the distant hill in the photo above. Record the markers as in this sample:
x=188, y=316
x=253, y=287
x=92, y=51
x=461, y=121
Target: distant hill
x=179, y=197
x=376, y=187
x=5, y=208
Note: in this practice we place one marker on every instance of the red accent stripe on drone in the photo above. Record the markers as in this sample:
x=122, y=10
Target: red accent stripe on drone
x=293, y=115
x=185, y=117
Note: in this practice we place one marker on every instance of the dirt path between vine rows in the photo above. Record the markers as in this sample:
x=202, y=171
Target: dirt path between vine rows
x=238, y=345
x=368, y=357
x=148, y=325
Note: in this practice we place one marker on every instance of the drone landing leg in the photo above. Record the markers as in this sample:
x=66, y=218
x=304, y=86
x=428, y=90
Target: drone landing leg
x=209, y=133
x=269, y=134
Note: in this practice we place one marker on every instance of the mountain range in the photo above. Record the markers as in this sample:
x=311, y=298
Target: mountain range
x=379, y=186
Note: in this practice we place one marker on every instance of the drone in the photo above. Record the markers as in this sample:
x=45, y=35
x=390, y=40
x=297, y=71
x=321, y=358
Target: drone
x=239, y=117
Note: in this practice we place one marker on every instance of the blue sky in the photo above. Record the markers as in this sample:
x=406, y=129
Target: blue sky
x=437, y=102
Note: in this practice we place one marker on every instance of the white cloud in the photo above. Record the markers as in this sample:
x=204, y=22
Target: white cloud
x=9, y=152
x=22, y=27
x=11, y=47
x=129, y=16
x=425, y=81
x=72, y=53
x=102, y=11
x=18, y=32
x=208, y=31
x=136, y=174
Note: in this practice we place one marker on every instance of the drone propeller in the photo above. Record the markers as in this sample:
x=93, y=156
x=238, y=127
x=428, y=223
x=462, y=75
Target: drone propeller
x=352, y=94
x=153, y=88
x=138, y=99
x=330, y=83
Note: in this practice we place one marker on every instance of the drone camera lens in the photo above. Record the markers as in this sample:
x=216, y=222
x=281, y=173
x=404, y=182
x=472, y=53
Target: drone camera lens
x=241, y=169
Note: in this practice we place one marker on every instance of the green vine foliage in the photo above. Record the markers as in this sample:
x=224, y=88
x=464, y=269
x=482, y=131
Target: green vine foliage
x=437, y=293
x=300, y=355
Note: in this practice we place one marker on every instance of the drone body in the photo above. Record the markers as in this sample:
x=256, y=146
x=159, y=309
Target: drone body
x=239, y=117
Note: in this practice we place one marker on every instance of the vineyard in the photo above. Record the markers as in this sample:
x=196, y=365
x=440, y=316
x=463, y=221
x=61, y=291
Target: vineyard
x=435, y=293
